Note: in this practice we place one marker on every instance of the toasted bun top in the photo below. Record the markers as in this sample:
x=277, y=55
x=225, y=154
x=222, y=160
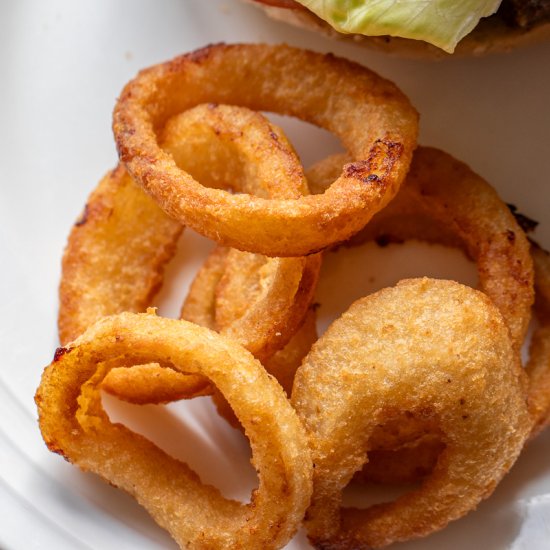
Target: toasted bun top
x=492, y=35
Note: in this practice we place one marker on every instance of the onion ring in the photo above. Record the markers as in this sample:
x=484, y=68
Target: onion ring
x=405, y=461
x=374, y=120
x=426, y=345
x=74, y=424
x=116, y=254
x=248, y=312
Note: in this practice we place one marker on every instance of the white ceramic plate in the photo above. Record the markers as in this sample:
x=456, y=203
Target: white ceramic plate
x=62, y=64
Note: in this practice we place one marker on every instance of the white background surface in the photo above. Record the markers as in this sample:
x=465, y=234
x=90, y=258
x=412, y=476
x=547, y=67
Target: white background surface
x=62, y=64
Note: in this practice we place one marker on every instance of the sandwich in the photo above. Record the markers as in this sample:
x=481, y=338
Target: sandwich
x=434, y=28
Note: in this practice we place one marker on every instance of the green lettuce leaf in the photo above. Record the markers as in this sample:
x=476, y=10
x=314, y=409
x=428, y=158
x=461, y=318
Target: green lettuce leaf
x=441, y=22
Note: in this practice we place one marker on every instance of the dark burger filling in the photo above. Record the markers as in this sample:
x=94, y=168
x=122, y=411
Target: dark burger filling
x=525, y=14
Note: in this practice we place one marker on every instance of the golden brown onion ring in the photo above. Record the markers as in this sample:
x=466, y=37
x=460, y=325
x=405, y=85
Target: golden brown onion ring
x=252, y=298
x=413, y=460
x=430, y=346
x=374, y=120
x=255, y=304
x=398, y=459
x=116, y=254
x=74, y=424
